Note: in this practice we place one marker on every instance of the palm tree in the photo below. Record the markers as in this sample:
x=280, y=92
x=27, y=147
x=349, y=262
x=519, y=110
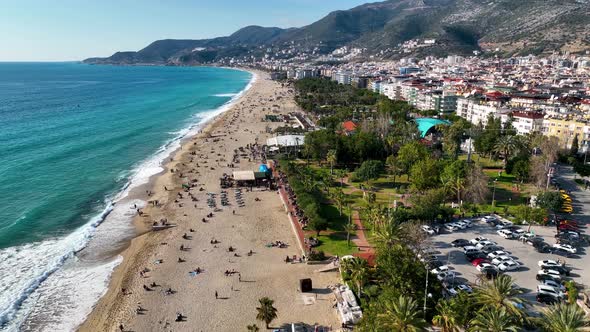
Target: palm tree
x=266, y=312
x=494, y=319
x=501, y=292
x=389, y=233
x=332, y=158
x=563, y=318
x=358, y=269
x=506, y=146
x=253, y=328
x=446, y=317
x=349, y=228
x=339, y=198
x=402, y=315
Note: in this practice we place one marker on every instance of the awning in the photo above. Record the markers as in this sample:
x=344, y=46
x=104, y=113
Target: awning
x=244, y=176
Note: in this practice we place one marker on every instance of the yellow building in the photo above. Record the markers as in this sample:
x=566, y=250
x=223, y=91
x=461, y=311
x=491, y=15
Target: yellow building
x=565, y=130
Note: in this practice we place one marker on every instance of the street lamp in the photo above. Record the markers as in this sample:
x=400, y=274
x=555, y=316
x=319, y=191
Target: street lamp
x=426, y=294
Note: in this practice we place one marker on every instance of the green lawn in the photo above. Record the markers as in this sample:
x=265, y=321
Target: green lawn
x=335, y=244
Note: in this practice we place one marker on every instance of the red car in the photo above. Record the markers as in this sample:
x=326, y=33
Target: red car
x=478, y=261
x=569, y=222
x=567, y=227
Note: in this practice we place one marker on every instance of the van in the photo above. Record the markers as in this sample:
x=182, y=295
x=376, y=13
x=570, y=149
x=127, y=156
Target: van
x=470, y=249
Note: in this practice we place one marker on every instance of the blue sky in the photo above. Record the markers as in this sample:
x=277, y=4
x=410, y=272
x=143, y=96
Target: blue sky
x=46, y=30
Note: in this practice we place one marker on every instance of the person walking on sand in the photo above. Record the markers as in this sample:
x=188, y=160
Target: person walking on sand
x=216, y=295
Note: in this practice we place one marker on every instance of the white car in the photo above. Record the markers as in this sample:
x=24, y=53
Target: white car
x=461, y=224
x=440, y=269
x=478, y=240
x=451, y=228
x=483, y=244
x=501, y=259
x=453, y=291
x=550, y=272
x=508, y=266
x=482, y=266
x=527, y=236
x=497, y=253
x=554, y=274
x=428, y=230
x=488, y=219
x=548, y=263
x=504, y=224
x=546, y=289
x=518, y=233
x=467, y=222
x=554, y=284
x=445, y=275
x=505, y=233
x=565, y=247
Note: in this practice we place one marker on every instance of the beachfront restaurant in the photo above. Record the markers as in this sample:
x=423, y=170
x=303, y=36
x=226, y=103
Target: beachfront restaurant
x=251, y=179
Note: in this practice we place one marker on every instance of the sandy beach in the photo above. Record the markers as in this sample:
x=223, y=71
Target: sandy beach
x=153, y=258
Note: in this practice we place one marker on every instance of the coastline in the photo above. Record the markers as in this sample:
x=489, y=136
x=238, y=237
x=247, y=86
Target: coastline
x=246, y=228
x=128, y=253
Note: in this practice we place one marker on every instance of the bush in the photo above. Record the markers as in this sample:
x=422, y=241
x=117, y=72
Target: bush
x=572, y=292
x=317, y=256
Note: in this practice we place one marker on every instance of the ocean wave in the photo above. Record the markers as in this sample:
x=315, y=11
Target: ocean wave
x=225, y=95
x=32, y=264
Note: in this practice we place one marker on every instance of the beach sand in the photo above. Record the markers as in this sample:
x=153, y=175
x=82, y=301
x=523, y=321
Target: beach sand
x=262, y=220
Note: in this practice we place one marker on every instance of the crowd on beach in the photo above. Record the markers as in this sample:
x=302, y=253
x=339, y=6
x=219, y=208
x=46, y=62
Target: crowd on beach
x=191, y=195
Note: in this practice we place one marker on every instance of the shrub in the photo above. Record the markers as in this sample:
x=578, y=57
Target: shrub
x=317, y=256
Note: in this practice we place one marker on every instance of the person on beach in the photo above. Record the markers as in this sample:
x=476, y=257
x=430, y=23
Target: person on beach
x=216, y=295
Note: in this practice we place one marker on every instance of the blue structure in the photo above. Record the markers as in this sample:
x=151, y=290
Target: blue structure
x=263, y=168
x=426, y=124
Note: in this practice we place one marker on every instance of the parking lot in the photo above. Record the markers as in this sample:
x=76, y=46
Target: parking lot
x=524, y=254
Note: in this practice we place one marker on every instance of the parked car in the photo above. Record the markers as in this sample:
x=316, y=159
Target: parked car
x=565, y=247
x=460, y=224
x=453, y=291
x=542, y=276
x=484, y=244
x=559, y=252
x=547, y=299
x=508, y=266
x=493, y=248
x=497, y=253
x=428, y=230
x=488, y=219
x=460, y=243
x=475, y=255
x=548, y=262
x=505, y=233
x=554, y=284
x=467, y=222
x=443, y=268
x=546, y=289
x=445, y=275
x=517, y=232
x=545, y=249
x=483, y=266
x=451, y=228
x=478, y=261
x=501, y=259
x=478, y=240
x=504, y=224
x=470, y=249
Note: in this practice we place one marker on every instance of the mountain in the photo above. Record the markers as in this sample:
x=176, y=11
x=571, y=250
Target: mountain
x=458, y=26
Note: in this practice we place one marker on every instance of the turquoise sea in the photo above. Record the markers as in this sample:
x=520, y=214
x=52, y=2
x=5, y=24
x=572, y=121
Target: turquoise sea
x=75, y=139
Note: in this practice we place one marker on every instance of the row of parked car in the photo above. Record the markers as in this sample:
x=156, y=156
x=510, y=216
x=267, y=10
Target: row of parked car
x=551, y=277
x=487, y=256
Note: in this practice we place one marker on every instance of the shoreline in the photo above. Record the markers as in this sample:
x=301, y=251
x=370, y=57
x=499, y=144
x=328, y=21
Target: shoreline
x=248, y=229
x=137, y=242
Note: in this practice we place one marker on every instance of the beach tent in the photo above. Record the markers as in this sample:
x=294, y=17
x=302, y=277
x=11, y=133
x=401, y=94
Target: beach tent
x=426, y=124
x=244, y=176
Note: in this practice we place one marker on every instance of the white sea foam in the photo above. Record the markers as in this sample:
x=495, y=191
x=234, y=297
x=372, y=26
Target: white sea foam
x=49, y=287
x=225, y=95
